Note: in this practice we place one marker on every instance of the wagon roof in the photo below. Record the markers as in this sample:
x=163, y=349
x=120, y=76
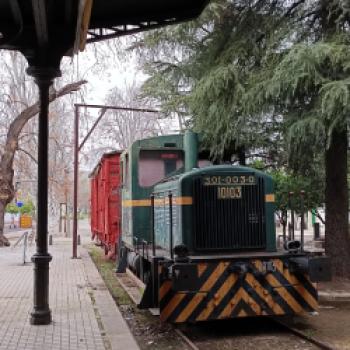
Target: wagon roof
x=104, y=156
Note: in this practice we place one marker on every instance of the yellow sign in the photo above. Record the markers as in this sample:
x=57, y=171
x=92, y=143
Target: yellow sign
x=25, y=221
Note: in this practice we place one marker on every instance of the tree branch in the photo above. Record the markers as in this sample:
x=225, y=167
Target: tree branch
x=17, y=125
x=28, y=154
x=317, y=213
x=11, y=145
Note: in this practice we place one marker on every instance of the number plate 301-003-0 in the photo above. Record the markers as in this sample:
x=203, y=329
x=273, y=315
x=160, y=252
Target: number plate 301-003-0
x=235, y=180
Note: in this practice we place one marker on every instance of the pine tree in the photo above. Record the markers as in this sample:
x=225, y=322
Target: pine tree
x=255, y=73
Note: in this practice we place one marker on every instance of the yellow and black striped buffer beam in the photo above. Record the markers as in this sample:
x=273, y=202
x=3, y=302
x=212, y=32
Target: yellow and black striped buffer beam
x=224, y=293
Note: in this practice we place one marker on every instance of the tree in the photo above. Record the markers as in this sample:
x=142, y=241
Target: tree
x=256, y=61
x=121, y=128
x=11, y=146
x=27, y=208
x=308, y=194
x=12, y=208
x=310, y=87
x=200, y=69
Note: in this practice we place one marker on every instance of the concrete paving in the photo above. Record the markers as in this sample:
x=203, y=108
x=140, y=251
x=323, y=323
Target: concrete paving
x=84, y=313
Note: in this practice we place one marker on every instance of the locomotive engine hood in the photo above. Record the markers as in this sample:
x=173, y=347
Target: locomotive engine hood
x=216, y=209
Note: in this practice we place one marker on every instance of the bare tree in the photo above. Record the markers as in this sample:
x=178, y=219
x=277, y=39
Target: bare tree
x=16, y=110
x=125, y=127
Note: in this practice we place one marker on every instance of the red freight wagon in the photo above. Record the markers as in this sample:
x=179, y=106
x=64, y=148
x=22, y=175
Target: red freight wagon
x=105, y=202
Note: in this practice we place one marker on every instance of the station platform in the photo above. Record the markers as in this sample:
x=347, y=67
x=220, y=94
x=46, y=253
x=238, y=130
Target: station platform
x=84, y=314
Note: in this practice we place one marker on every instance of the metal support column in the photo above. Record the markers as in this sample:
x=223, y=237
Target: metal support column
x=76, y=169
x=41, y=313
x=302, y=217
x=78, y=147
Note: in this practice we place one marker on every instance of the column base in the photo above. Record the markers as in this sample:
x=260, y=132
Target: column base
x=40, y=317
x=41, y=314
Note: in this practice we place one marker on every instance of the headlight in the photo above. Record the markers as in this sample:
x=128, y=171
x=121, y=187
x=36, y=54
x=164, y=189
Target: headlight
x=292, y=246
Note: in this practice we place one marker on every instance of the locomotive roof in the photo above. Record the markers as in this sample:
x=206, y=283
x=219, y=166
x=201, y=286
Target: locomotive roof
x=159, y=142
x=211, y=170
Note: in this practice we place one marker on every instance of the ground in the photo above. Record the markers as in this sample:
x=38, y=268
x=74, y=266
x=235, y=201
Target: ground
x=83, y=310
x=329, y=325
x=84, y=314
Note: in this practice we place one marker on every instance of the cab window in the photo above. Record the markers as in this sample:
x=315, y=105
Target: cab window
x=155, y=165
x=203, y=163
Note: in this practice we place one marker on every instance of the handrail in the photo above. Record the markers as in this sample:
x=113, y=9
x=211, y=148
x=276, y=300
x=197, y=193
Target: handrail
x=23, y=237
x=152, y=226
x=170, y=197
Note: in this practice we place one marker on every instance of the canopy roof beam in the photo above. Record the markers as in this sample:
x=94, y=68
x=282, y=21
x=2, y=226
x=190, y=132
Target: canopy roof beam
x=100, y=34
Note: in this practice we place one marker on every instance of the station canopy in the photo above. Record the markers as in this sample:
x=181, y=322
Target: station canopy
x=46, y=30
x=67, y=25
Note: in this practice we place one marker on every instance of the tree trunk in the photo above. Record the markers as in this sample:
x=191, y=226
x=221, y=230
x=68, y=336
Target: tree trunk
x=336, y=198
x=3, y=240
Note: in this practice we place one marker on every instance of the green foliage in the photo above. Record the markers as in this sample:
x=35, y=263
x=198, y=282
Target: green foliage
x=311, y=79
x=27, y=208
x=226, y=62
x=270, y=77
x=286, y=183
x=242, y=61
x=107, y=270
x=310, y=88
x=12, y=208
x=204, y=68
x=266, y=75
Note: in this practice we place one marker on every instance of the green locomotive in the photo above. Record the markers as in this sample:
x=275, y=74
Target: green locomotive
x=202, y=237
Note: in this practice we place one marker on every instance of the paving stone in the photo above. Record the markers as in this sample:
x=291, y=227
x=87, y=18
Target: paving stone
x=74, y=324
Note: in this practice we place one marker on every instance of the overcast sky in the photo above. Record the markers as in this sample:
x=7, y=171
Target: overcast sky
x=105, y=69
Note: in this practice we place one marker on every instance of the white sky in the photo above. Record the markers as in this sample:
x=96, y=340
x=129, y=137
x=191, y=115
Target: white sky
x=116, y=70
x=104, y=69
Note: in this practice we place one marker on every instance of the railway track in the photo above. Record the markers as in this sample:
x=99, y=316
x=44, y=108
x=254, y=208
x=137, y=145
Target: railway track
x=235, y=334
x=320, y=344
x=307, y=342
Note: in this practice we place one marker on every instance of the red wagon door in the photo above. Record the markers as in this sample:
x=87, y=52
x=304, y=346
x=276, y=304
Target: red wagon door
x=113, y=204
x=93, y=206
